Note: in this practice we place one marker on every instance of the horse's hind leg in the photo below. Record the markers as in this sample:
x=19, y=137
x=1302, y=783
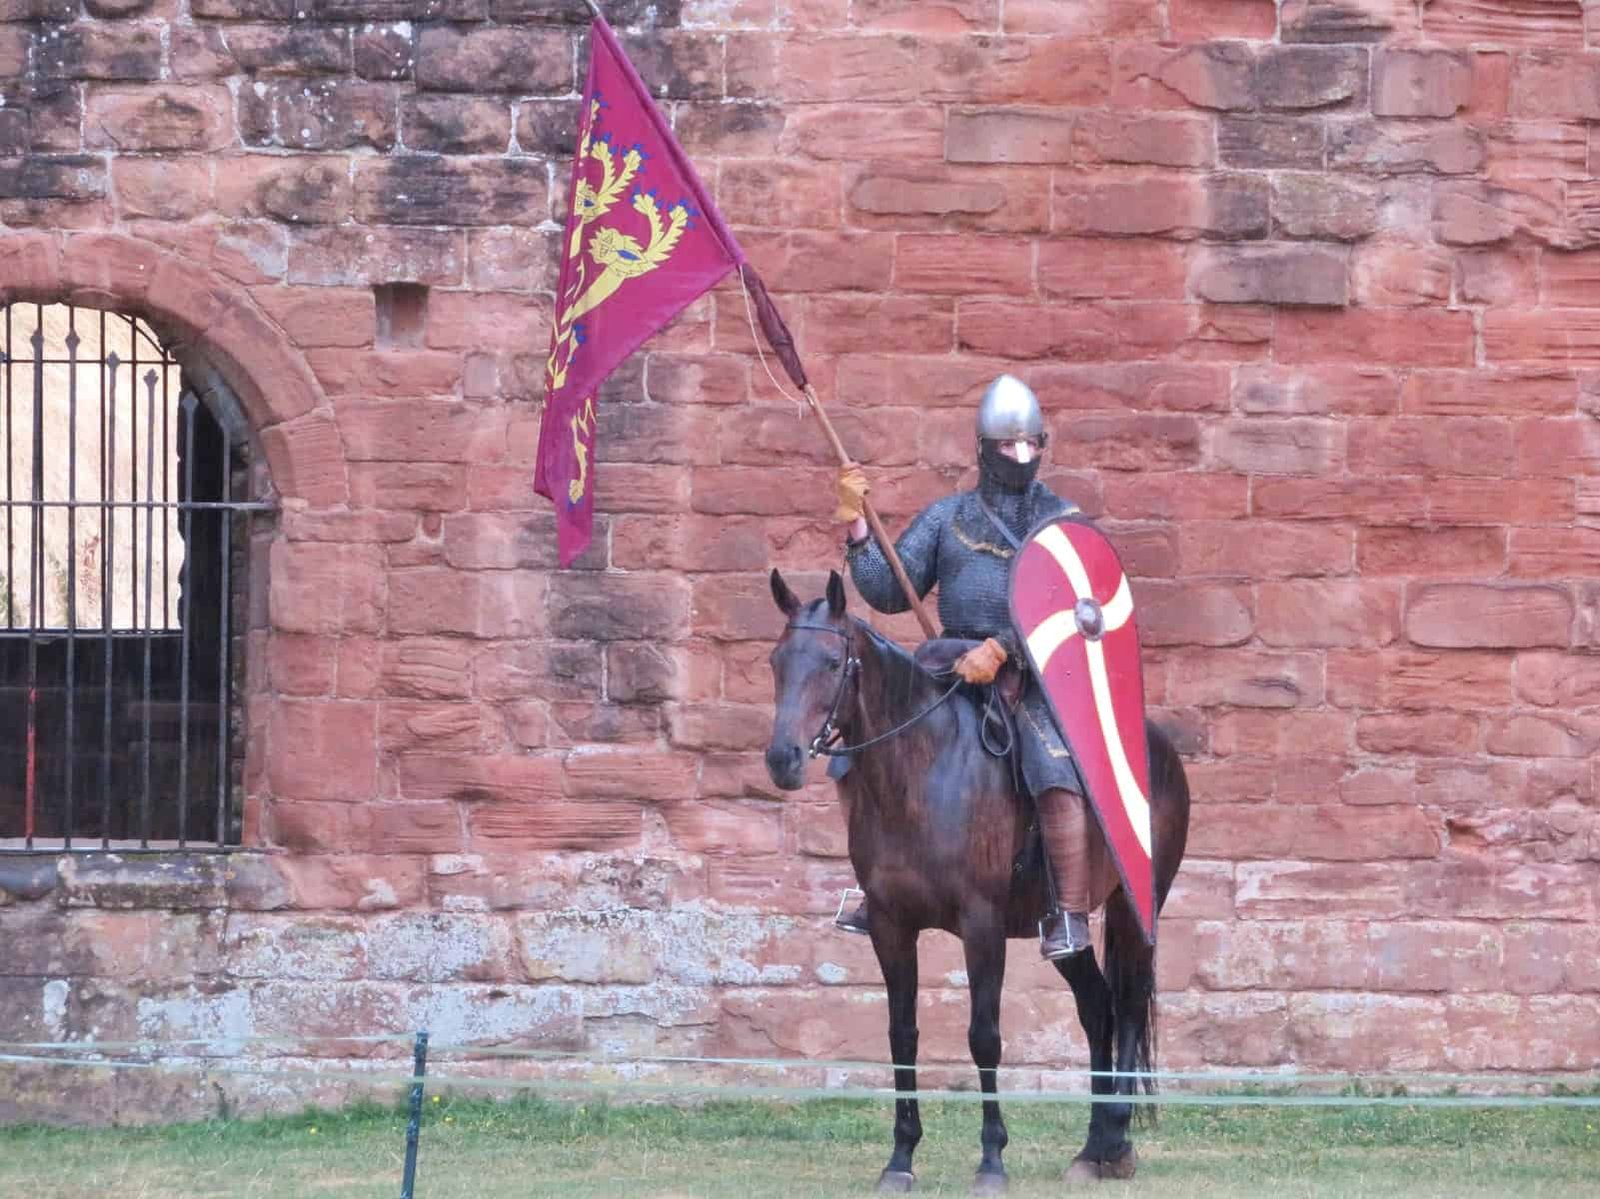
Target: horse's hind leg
x=984, y=939
x=897, y=957
x=1130, y=972
x=1108, y=1121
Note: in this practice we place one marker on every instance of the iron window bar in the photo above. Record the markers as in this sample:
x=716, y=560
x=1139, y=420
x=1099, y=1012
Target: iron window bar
x=154, y=657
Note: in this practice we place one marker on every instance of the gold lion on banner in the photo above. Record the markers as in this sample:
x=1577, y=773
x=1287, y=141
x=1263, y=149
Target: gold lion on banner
x=620, y=258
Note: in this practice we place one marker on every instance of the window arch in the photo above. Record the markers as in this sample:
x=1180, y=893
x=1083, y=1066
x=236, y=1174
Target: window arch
x=129, y=493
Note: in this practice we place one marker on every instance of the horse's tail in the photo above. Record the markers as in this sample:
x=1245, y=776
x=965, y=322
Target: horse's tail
x=1131, y=972
x=1130, y=959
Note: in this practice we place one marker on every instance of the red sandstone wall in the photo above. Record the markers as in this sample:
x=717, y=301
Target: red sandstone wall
x=1310, y=295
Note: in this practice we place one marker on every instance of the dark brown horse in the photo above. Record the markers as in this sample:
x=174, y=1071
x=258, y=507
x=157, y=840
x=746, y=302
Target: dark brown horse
x=939, y=839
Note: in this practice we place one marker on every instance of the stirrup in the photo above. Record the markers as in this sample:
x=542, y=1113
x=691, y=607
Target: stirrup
x=1069, y=946
x=844, y=899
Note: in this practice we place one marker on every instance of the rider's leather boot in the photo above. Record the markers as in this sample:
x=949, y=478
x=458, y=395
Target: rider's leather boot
x=1064, y=823
x=1063, y=934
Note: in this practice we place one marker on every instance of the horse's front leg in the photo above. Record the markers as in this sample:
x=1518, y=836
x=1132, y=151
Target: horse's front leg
x=983, y=937
x=897, y=956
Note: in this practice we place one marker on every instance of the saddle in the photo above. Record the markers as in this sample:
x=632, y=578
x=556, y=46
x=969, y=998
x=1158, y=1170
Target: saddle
x=999, y=728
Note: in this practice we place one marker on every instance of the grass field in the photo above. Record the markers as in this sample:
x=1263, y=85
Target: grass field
x=474, y=1149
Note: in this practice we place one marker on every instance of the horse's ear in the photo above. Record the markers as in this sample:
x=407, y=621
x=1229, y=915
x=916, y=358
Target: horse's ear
x=787, y=603
x=835, y=594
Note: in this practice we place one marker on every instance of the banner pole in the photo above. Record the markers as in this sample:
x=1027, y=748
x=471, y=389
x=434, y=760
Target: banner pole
x=873, y=522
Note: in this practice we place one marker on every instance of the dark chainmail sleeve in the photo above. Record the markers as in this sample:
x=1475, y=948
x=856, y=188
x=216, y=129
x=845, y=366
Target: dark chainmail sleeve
x=918, y=548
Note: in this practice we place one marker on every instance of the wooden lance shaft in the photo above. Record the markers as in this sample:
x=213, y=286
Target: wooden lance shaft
x=873, y=522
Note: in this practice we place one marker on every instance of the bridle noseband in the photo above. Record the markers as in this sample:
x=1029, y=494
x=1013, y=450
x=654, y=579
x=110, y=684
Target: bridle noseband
x=829, y=732
x=823, y=744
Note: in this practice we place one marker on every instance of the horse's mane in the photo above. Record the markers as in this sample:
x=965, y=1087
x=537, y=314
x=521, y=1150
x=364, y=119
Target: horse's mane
x=902, y=675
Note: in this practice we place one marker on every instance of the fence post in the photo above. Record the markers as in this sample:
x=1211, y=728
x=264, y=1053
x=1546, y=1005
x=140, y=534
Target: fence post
x=419, y=1068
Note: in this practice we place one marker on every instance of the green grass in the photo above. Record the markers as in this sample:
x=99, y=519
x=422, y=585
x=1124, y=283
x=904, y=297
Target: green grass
x=477, y=1149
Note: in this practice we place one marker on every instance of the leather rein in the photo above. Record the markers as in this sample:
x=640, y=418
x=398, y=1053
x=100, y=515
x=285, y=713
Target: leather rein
x=826, y=742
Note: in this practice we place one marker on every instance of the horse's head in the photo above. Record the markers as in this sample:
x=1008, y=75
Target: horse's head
x=808, y=675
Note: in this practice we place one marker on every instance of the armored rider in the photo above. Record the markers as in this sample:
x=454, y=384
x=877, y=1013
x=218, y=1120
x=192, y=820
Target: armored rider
x=964, y=543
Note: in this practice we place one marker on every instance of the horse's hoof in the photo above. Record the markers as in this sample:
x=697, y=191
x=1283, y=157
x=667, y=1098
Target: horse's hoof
x=896, y=1182
x=1121, y=1169
x=990, y=1183
x=1082, y=1170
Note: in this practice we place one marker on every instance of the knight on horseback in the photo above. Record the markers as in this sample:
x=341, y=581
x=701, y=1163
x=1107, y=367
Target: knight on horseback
x=965, y=544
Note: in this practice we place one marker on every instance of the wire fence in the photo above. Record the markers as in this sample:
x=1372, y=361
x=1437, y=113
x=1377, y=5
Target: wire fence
x=650, y=1077
x=464, y=1068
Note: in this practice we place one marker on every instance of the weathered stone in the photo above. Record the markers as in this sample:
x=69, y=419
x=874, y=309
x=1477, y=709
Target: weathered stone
x=455, y=125
x=1271, y=275
x=1212, y=75
x=1228, y=206
x=1476, y=214
x=298, y=51
x=385, y=52
x=349, y=256
x=985, y=135
x=1518, y=23
x=1345, y=20
x=159, y=118
x=131, y=51
x=172, y=881
x=299, y=191
x=1270, y=142
x=323, y=949
x=1465, y=615
x=420, y=190
x=1420, y=83
x=1389, y=148
x=1298, y=77
x=26, y=879
x=434, y=947
x=71, y=177
x=680, y=65
x=527, y=61
x=332, y=114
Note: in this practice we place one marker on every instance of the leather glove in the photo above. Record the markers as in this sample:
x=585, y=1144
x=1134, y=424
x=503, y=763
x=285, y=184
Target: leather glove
x=853, y=488
x=981, y=663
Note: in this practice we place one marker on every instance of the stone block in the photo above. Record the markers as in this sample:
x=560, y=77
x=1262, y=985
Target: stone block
x=1009, y=136
x=1420, y=83
x=422, y=190
x=1306, y=77
x=527, y=61
x=455, y=124
x=1470, y=615
x=1272, y=275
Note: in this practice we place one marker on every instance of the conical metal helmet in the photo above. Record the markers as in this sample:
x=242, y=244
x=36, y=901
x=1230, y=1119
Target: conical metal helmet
x=1009, y=411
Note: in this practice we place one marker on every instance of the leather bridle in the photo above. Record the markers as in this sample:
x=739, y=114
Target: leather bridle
x=825, y=743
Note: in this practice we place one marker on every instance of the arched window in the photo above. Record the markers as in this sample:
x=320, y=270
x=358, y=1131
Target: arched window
x=126, y=505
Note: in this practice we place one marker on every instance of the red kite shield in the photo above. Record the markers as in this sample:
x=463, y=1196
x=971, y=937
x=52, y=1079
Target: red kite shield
x=1071, y=604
